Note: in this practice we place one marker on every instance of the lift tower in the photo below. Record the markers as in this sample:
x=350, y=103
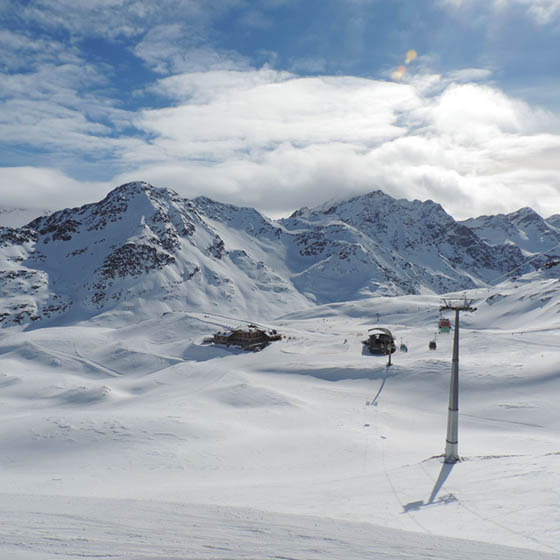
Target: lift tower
x=451, y=442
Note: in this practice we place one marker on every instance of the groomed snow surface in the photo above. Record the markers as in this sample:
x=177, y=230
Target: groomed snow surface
x=143, y=442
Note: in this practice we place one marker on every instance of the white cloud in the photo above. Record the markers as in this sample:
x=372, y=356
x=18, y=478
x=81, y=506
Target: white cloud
x=114, y=18
x=268, y=112
x=204, y=87
x=20, y=51
x=472, y=114
x=173, y=48
x=37, y=187
x=50, y=80
x=541, y=12
x=260, y=137
x=170, y=60
x=470, y=75
x=53, y=108
x=278, y=142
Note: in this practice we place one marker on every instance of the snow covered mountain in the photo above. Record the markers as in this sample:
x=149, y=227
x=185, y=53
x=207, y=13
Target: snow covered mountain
x=554, y=220
x=143, y=251
x=523, y=228
x=127, y=435
x=386, y=246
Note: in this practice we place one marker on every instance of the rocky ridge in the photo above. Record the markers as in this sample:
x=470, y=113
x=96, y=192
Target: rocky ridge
x=523, y=228
x=144, y=250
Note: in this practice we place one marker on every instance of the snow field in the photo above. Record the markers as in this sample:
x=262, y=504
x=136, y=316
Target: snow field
x=94, y=415
x=146, y=530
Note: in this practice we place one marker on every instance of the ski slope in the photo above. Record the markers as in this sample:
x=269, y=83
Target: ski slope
x=141, y=441
x=42, y=527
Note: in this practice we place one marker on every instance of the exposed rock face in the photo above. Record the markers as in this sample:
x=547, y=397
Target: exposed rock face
x=145, y=250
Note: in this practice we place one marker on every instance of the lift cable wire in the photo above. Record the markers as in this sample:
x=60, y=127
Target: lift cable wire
x=496, y=280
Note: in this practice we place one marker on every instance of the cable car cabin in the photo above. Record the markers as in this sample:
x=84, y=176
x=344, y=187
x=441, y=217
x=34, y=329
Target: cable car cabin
x=432, y=345
x=380, y=341
x=444, y=324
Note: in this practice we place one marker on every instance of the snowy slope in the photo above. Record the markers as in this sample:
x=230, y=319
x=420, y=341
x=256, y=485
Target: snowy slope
x=124, y=435
x=54, y=527
x=314, y=426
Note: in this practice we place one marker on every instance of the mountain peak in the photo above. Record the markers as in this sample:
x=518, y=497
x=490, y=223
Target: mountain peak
x=129, y=191
x=373, y=207
x=554, y=220
x=135, y=188
x=523, y=228
x=144, y=249
x=525, y=214
x=332, y=205
x=140, y=190
x=132, y=187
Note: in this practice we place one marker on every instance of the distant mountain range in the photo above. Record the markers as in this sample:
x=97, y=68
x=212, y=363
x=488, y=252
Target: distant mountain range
x=17, y=217
x=143, y=251
x=523, y=228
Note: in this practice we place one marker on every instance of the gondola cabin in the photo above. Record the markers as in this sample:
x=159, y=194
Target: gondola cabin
x=380, y=341
x=444, y=325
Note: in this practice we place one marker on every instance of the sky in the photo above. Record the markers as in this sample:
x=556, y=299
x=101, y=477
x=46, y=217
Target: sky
x=279, y=104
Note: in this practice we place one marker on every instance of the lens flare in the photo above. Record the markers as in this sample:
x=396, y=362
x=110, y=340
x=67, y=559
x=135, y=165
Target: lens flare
x=399, y=73
x=410, y=56
x=401, y=70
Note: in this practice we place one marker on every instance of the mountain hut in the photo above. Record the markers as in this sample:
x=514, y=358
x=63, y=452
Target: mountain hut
x=249, y=338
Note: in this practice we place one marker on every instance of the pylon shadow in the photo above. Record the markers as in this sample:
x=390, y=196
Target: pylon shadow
x=433, y=499
x=446, y=469
x=373, y=401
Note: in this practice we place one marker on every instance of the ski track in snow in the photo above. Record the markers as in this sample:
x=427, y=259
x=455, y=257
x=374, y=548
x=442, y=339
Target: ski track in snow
x=59, y=527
